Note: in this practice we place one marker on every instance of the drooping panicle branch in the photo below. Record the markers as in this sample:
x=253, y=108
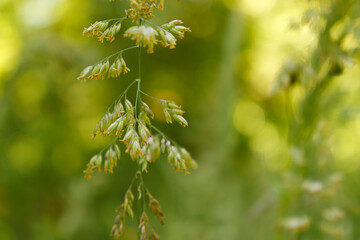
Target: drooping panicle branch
x=130, y=123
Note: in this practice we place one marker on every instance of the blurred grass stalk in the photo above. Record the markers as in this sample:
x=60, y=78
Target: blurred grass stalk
x=303, y=204
x=223, y=139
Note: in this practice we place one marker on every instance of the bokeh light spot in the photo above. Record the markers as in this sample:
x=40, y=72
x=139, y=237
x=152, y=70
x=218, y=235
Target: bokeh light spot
x=256, y=6
x=248, y=118
x=40, y=13
x=268, y=144
x=9, y=48
x=345, y=146
x=266, y=140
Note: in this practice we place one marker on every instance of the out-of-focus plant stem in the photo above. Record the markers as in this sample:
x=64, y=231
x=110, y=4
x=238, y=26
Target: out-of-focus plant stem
x=223, y=136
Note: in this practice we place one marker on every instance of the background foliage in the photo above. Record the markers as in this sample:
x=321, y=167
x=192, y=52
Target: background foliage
x=222, y=74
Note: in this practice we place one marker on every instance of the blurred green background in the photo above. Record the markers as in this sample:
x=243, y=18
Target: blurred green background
x=222, y=74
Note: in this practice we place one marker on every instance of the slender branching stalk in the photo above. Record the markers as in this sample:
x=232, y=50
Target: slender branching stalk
x=130, y=123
